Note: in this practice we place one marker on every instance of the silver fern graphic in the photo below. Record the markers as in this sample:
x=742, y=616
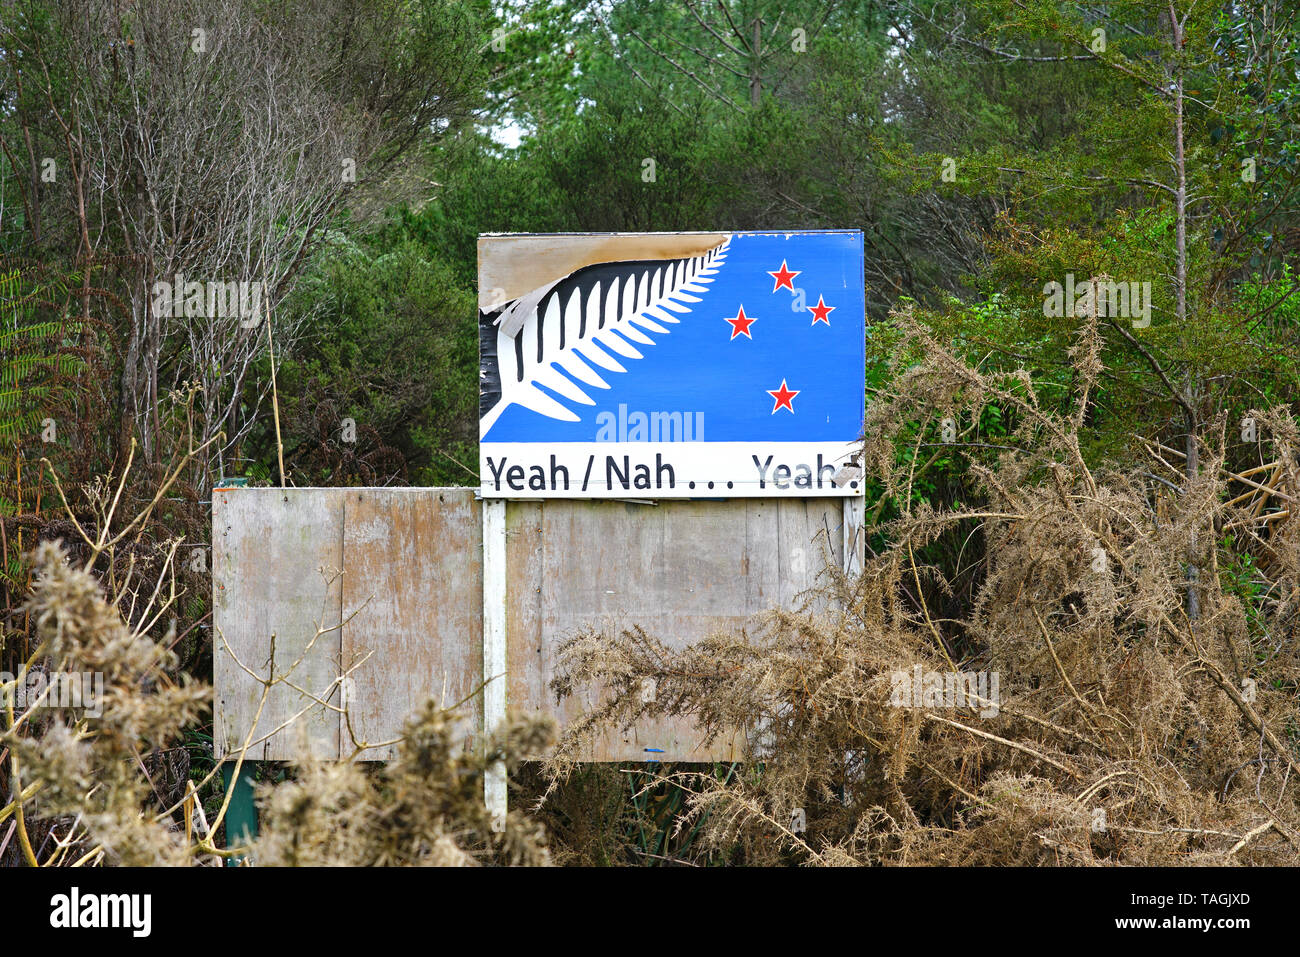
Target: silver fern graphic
x=579, y=327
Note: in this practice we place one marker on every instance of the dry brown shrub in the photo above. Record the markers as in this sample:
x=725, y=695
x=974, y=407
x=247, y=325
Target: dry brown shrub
x=1147, y=691
x=81, y=774
x=423, y=808
x=86, y=764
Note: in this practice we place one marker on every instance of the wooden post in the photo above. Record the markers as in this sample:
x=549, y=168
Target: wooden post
x=494, y=649
x=854, y=545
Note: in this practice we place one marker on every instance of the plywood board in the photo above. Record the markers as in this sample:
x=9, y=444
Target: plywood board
x=411, y=597
x=277, y=555
x=679, y=570
x=412, y=593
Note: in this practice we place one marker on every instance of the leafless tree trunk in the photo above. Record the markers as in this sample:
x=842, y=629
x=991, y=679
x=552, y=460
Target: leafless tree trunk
x=213, y=144
x=1190, y=391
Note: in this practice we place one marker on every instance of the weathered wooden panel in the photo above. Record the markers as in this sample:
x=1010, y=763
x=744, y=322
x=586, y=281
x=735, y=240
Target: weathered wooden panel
x=680, y=570
x=412, y=591
x=411, y=597
x=277, y=556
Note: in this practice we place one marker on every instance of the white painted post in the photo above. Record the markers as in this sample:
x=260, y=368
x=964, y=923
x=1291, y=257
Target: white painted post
x=494, y=649
x=854, y=545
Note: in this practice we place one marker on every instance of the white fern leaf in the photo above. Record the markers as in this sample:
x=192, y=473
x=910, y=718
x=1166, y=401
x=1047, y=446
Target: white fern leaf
x=570, y=329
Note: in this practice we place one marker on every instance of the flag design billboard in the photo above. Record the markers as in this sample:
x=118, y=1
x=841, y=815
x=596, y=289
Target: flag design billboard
x=695, y=365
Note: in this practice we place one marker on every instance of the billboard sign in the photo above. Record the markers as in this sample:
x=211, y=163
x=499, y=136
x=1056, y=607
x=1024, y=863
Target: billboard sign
x=682, y=365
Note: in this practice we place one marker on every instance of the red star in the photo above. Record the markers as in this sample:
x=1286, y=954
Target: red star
x=783, y=397
x=821, y=312
x=783, y=277
x=740, y=324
